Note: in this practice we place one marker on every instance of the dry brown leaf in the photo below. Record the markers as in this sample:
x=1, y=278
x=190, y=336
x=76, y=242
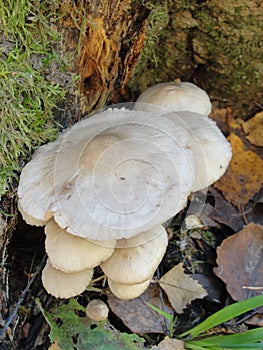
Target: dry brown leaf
x=137, y=315
x=180, y=288
x=254, y=129
x=255, y=320
x=221, y=116
x=243, y=177
x=169, y=344
x=240, y=262
x=225, y=212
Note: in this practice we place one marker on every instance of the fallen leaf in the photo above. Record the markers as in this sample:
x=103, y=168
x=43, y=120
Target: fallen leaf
x=255, y=320
x=169, y=344
x=215, y=288
x=225, y=212
x=222, y=117
x=253, y=213
x=240, y=262
x=180, y=288
x=253, y=129
x=243, y=177
x=137, y=315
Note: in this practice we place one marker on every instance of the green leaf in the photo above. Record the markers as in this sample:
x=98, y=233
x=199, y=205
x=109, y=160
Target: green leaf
x=224, y=315
x=81, y=333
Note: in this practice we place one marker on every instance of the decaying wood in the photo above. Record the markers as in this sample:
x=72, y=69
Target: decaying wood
x=109, y=39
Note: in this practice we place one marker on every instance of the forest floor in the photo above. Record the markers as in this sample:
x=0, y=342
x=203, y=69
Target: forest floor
x=222, y=251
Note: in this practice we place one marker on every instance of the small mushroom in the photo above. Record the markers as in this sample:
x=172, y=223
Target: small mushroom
x=128, y=291
x=97, y=310
x=65, y=285
x=136, y=259
x=176, y=96
x=70, y=253
x=110, y=176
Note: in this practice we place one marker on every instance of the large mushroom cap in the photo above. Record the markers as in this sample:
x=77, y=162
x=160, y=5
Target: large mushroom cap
x=65, y=285
x=211, y=150
x=70, y=253
x=136, y=259
x=176, y=96
x=110, y=176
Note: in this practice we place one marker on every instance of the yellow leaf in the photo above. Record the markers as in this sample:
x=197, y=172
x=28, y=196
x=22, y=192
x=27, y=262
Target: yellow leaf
x=180, y=288
x=243, y=177
x=254, y=129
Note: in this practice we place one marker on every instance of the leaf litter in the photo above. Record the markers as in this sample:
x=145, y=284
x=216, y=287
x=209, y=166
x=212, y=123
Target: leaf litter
x=243, y=178
x=240, y=262
x=180, y=288
x=137, y=315
x=253, y=129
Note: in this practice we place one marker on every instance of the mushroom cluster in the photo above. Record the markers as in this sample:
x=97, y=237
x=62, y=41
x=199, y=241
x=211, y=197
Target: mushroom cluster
x=106, y=186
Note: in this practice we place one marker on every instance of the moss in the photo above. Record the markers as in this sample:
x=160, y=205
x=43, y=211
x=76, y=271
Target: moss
x=27, y=98
x=215, y=44
x=236, y=56
x=150, y=57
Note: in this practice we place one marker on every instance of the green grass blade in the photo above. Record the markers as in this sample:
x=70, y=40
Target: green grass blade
x=249, y=336
x=245, y=346
x=191, y=346
x=243, y=341
x=224, y=315
x=161, y=312
x=194, y=347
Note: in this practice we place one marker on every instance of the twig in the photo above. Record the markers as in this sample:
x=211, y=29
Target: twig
x=21, y=298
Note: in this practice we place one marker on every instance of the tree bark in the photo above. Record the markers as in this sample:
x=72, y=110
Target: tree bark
x=105, y=45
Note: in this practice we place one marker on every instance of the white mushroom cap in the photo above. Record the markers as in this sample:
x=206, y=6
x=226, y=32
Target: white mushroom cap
x=110, y=176
x=70, y=253
x=128, y=291
x=189, y=104
x=97, y=310
x=136, y=259
x=211, y=150
x=30, y=219
x=65, y=285
x=35, y=190
x=176, y=96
